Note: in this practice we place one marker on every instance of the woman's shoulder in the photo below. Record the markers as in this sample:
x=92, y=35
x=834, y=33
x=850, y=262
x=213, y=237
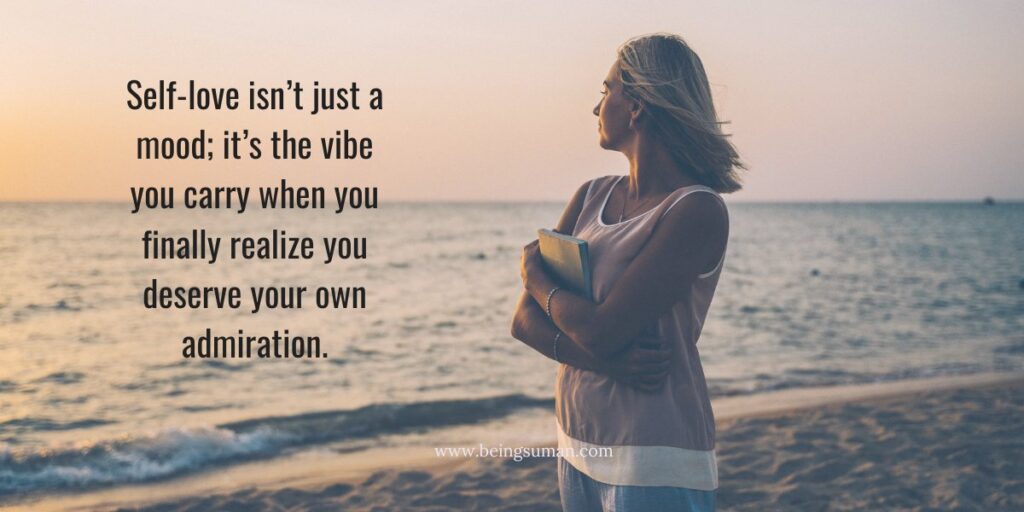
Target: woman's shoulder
x=593, y=185
x=587, y=190
x=698, y=199
x=581, y=199
x=698, y=209
x=698, y=220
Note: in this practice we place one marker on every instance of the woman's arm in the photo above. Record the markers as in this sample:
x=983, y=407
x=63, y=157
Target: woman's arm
x=639, y=365
x=533, y=327
x=688, y=241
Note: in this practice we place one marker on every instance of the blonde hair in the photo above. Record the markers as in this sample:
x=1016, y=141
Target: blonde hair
x=662, y=72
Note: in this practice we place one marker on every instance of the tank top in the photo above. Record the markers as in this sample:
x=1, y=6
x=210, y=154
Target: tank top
x=665, y=438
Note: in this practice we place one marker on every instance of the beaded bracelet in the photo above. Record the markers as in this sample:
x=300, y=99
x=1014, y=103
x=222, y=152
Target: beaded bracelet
x=547, y=307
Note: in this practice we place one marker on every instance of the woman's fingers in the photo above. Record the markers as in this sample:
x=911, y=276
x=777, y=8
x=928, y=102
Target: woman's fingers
x=652, y=376
x=650, y=382
x=529, y=253
x=647, y=386
x=529, y=260
x=643, y=355
x=649, y=365
x=649, y=336
x=644, y=361
x=649, y=362
x=530, y=249
x=652, y=370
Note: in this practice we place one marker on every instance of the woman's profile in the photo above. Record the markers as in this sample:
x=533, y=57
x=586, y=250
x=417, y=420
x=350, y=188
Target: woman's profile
x=635, y=425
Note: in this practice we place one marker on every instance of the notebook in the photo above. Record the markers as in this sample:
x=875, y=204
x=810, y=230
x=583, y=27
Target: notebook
x=566, y=257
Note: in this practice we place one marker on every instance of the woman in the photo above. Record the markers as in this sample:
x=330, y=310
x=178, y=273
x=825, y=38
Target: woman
x=635, y=425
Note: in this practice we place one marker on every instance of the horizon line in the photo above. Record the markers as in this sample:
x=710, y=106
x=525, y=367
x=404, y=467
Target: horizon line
x=981, y=200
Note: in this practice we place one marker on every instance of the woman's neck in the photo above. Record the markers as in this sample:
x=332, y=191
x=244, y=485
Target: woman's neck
x=652, y=171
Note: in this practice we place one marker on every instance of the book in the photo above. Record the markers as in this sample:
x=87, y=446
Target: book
x=567, y=258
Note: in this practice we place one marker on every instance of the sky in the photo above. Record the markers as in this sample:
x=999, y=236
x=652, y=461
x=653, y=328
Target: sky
x=492, y=101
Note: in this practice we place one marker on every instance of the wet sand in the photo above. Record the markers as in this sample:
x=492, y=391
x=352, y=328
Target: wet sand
x=929, y=444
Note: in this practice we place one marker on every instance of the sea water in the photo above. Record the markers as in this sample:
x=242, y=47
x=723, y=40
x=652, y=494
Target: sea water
x=94, y=389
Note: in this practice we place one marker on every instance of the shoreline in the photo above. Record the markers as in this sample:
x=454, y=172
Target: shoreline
x=795, y=399
x=322, y=474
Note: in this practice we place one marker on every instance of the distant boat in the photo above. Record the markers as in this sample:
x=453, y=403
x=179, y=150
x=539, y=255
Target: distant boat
x=989, y=201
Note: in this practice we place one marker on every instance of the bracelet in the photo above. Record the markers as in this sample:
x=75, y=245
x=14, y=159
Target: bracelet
x=547, y=306
x=559, y=335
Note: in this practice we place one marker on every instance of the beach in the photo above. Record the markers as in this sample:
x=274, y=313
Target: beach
x=235, y=278
x=882, y=308
x=946, y=443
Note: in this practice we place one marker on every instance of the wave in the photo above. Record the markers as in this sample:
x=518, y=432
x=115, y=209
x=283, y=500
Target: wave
x=176, y=451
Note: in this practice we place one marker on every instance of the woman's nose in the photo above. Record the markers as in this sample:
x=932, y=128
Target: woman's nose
x=597, y=109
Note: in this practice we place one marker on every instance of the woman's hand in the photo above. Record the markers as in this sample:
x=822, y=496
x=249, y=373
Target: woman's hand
x=531, y=267
x=643, y=365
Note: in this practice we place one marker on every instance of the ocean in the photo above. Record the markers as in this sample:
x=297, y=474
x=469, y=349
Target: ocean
x=94, y=390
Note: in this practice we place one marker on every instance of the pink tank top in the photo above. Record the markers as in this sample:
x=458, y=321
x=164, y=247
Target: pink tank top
x=661, y=439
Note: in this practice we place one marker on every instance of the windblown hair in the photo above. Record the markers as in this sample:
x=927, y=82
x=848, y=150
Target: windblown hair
x=667, y=77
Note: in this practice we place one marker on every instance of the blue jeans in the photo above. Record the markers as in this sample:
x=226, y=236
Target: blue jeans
x=580, y=493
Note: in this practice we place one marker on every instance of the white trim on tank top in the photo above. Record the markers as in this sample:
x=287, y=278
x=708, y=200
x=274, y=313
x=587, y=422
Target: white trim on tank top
x=694, y=188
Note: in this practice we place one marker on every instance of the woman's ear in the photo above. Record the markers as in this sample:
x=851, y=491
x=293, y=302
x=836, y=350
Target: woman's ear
x=636, y=109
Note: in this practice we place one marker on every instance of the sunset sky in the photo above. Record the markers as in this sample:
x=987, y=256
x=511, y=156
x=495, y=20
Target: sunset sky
x=868, y=100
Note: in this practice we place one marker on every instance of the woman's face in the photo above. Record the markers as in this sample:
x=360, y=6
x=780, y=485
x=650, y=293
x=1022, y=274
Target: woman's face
x=613, y=112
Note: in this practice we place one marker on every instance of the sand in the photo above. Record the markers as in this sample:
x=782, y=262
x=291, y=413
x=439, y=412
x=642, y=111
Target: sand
x=934, y=444
x=943, y=450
